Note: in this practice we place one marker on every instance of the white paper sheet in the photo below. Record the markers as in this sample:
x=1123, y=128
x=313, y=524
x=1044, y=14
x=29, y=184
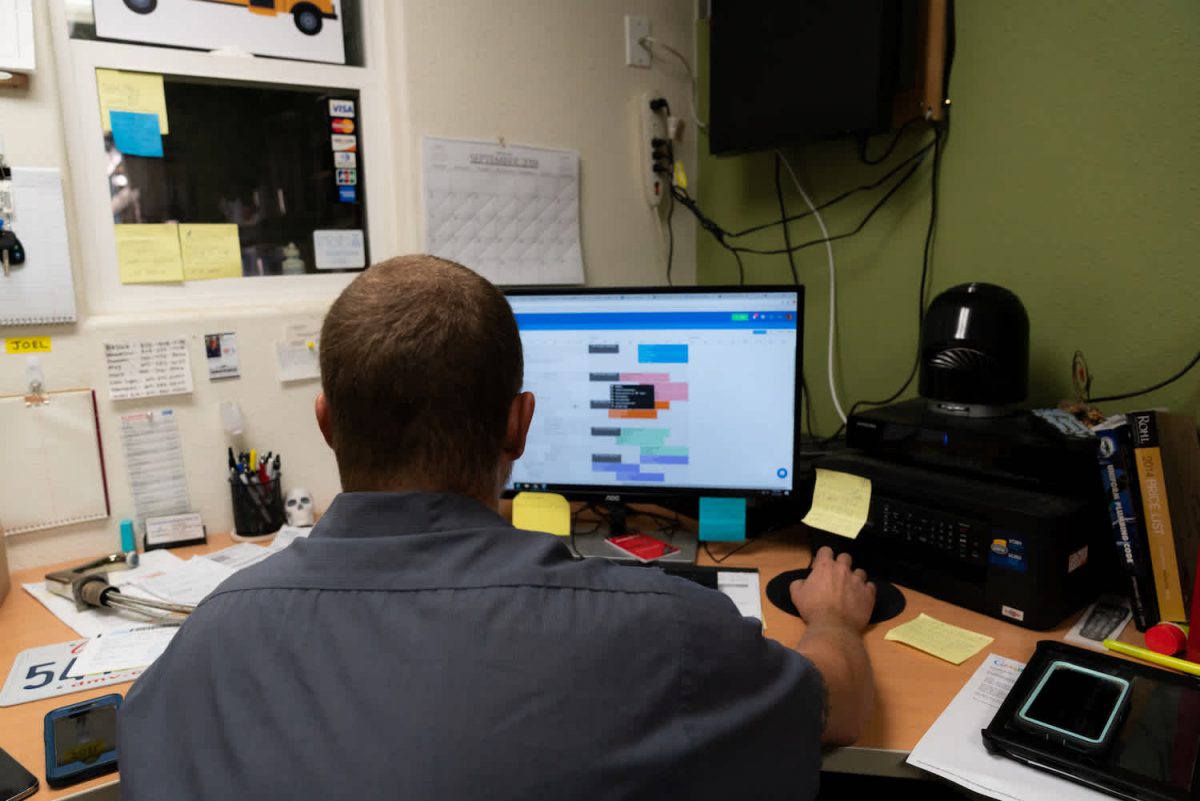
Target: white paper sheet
x=953, y=747
x=235, y=557
x=287, y=535
x=1105, y=618
x=41, y=290
x=743, y=589
x=91, y=622
x=154, y=460
x=336, y=249
x=148, y=369
x=124, y=649
x=511, y=214
x=187, y=583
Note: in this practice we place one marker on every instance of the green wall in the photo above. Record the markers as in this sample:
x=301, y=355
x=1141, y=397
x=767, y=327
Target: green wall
x=1072, y=177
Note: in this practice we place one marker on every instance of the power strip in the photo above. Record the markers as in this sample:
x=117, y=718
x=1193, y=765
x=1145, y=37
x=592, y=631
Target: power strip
x=653, y=149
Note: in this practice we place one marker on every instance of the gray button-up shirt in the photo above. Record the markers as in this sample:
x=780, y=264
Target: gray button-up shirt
x=417, y=646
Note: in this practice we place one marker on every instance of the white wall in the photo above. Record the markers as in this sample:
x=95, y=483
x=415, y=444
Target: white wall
x=537, y=72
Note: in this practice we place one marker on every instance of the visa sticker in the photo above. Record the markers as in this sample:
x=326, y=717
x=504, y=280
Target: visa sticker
x=341, y=108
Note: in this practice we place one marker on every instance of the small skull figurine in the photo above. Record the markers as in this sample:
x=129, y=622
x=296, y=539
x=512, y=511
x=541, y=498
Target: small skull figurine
x=298, y=506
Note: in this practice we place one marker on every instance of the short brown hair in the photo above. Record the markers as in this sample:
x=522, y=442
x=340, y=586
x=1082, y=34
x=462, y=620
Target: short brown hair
x=420, y=361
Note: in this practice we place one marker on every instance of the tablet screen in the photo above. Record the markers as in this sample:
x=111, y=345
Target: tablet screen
x=1077, y=702
x=1161, y=735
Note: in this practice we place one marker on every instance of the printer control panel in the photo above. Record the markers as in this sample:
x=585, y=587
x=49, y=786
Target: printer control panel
x=947, y=534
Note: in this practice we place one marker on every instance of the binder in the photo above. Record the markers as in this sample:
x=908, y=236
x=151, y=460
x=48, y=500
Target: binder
x=52, y=461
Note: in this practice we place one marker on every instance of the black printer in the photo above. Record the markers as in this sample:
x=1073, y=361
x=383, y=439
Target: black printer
x=973, y=500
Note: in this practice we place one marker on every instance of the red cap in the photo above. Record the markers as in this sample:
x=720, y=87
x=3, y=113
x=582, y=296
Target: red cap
x=1166, y=638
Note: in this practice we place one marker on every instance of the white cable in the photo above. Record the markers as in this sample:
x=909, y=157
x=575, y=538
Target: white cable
x=651, y=42
x=837, y=406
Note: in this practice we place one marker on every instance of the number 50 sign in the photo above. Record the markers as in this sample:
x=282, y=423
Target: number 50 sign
x=47, y=671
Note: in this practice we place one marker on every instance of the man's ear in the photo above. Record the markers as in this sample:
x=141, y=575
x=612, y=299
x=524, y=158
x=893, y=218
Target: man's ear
x=324, y=421
x=520, y=415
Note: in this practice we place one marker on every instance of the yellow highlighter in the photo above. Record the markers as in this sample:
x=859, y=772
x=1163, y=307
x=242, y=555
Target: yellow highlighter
x=253, y=461
x=1172, y=662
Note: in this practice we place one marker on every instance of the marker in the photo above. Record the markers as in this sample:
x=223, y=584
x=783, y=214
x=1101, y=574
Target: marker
x=1173, y=662
x=253, y=461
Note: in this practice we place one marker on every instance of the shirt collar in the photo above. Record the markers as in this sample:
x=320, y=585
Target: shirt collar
x=383, y=514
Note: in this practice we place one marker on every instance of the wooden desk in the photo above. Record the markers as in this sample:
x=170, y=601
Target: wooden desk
x=25, y=623
x=912, y=687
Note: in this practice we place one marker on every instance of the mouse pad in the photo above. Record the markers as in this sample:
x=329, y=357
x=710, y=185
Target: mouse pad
x=889, y=601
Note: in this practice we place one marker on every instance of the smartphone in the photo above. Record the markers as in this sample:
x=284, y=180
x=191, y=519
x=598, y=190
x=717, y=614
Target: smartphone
x=81, y=740
x=15, y=781
x=1076, y=706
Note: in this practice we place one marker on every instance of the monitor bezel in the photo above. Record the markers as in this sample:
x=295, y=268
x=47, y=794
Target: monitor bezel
x=620, y=494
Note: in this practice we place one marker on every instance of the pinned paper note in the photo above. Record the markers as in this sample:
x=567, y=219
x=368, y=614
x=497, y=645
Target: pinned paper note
x=951, y=643
x=542, y=511
x=136, y=133
x=149, y=253
x=148, y=369
x=131, y=91
x=723, y=519
x=840, y=503
x=210, y=251
x=339, y=250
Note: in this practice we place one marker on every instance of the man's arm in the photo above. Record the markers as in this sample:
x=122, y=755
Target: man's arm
x=836, y=603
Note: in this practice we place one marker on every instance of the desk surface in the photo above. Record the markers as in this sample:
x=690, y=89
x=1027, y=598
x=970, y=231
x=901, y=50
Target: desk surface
x=912, y=687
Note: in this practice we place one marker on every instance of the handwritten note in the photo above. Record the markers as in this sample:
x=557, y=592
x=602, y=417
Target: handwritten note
x=148, y=253
x=28, y=345
x=136, y=134
x=210, y=251
x=542, y=511
x=148, y=369
x=131, y=91
x=951, y=643
x=840, y=503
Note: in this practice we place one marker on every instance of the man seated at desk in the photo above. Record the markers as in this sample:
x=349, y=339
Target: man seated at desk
x=417, y=646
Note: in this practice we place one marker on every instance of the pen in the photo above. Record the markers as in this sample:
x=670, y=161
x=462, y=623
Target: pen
x=253, y=460
x=1173, y=662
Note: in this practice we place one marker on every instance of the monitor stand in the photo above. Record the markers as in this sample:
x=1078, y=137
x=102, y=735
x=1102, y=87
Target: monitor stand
x=588, y=534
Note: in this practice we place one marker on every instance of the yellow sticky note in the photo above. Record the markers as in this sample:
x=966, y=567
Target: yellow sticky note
x=149, y=253
x=840, y=503
x=210, y=251
x=27, y=345
x=954, y=644
x=131, y=91
x=542, y=511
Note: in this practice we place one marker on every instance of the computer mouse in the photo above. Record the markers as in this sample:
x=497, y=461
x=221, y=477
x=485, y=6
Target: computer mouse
x=889, y=601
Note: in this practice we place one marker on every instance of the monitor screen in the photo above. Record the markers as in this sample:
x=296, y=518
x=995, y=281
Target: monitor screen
x=659, y=391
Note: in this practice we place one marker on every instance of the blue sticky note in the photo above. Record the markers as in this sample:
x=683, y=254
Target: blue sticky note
x=723, y=519
x=136, y=134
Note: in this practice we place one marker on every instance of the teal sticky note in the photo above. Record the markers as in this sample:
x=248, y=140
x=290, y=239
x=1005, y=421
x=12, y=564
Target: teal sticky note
x=723, y=519
x=136, y=134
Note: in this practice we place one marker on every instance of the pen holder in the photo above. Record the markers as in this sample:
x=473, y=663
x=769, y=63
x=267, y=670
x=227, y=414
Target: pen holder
x=257, y=507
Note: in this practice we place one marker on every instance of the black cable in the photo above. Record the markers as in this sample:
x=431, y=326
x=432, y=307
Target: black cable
x=741, y=267
x=717, y=561
x=878, y=205
x=787, y=237
x=1150, y=389
x=883, y=179
x=862, y=144
x=670, y=241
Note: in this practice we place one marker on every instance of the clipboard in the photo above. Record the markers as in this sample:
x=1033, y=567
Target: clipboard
x=52, y=461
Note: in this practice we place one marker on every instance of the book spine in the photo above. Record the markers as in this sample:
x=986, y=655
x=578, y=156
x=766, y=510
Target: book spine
x=1119, y=476
x=1156, y=508
x=1193, y=643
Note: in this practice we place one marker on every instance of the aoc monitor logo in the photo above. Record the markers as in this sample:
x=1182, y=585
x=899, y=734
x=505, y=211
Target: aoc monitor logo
x=341, y=108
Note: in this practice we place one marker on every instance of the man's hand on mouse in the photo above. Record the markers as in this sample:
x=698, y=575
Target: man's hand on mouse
x=834, y=592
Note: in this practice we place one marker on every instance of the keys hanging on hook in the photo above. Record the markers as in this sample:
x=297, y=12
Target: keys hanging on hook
x=11, y=251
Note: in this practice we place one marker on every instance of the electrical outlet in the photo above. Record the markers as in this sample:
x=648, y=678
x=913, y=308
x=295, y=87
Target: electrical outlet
x=652, y=129
x=636, y=53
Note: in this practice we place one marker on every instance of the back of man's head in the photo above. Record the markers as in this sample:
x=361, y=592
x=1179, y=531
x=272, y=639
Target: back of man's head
x=420, y=362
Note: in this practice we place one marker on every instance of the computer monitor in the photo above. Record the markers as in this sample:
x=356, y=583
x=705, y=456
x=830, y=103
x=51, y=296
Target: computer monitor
x=657, y=393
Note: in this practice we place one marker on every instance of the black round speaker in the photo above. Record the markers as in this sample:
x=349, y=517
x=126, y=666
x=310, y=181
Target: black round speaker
x=975, y=350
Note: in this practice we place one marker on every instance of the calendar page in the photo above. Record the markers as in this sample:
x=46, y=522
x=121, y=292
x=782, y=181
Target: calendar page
x=511, y=214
